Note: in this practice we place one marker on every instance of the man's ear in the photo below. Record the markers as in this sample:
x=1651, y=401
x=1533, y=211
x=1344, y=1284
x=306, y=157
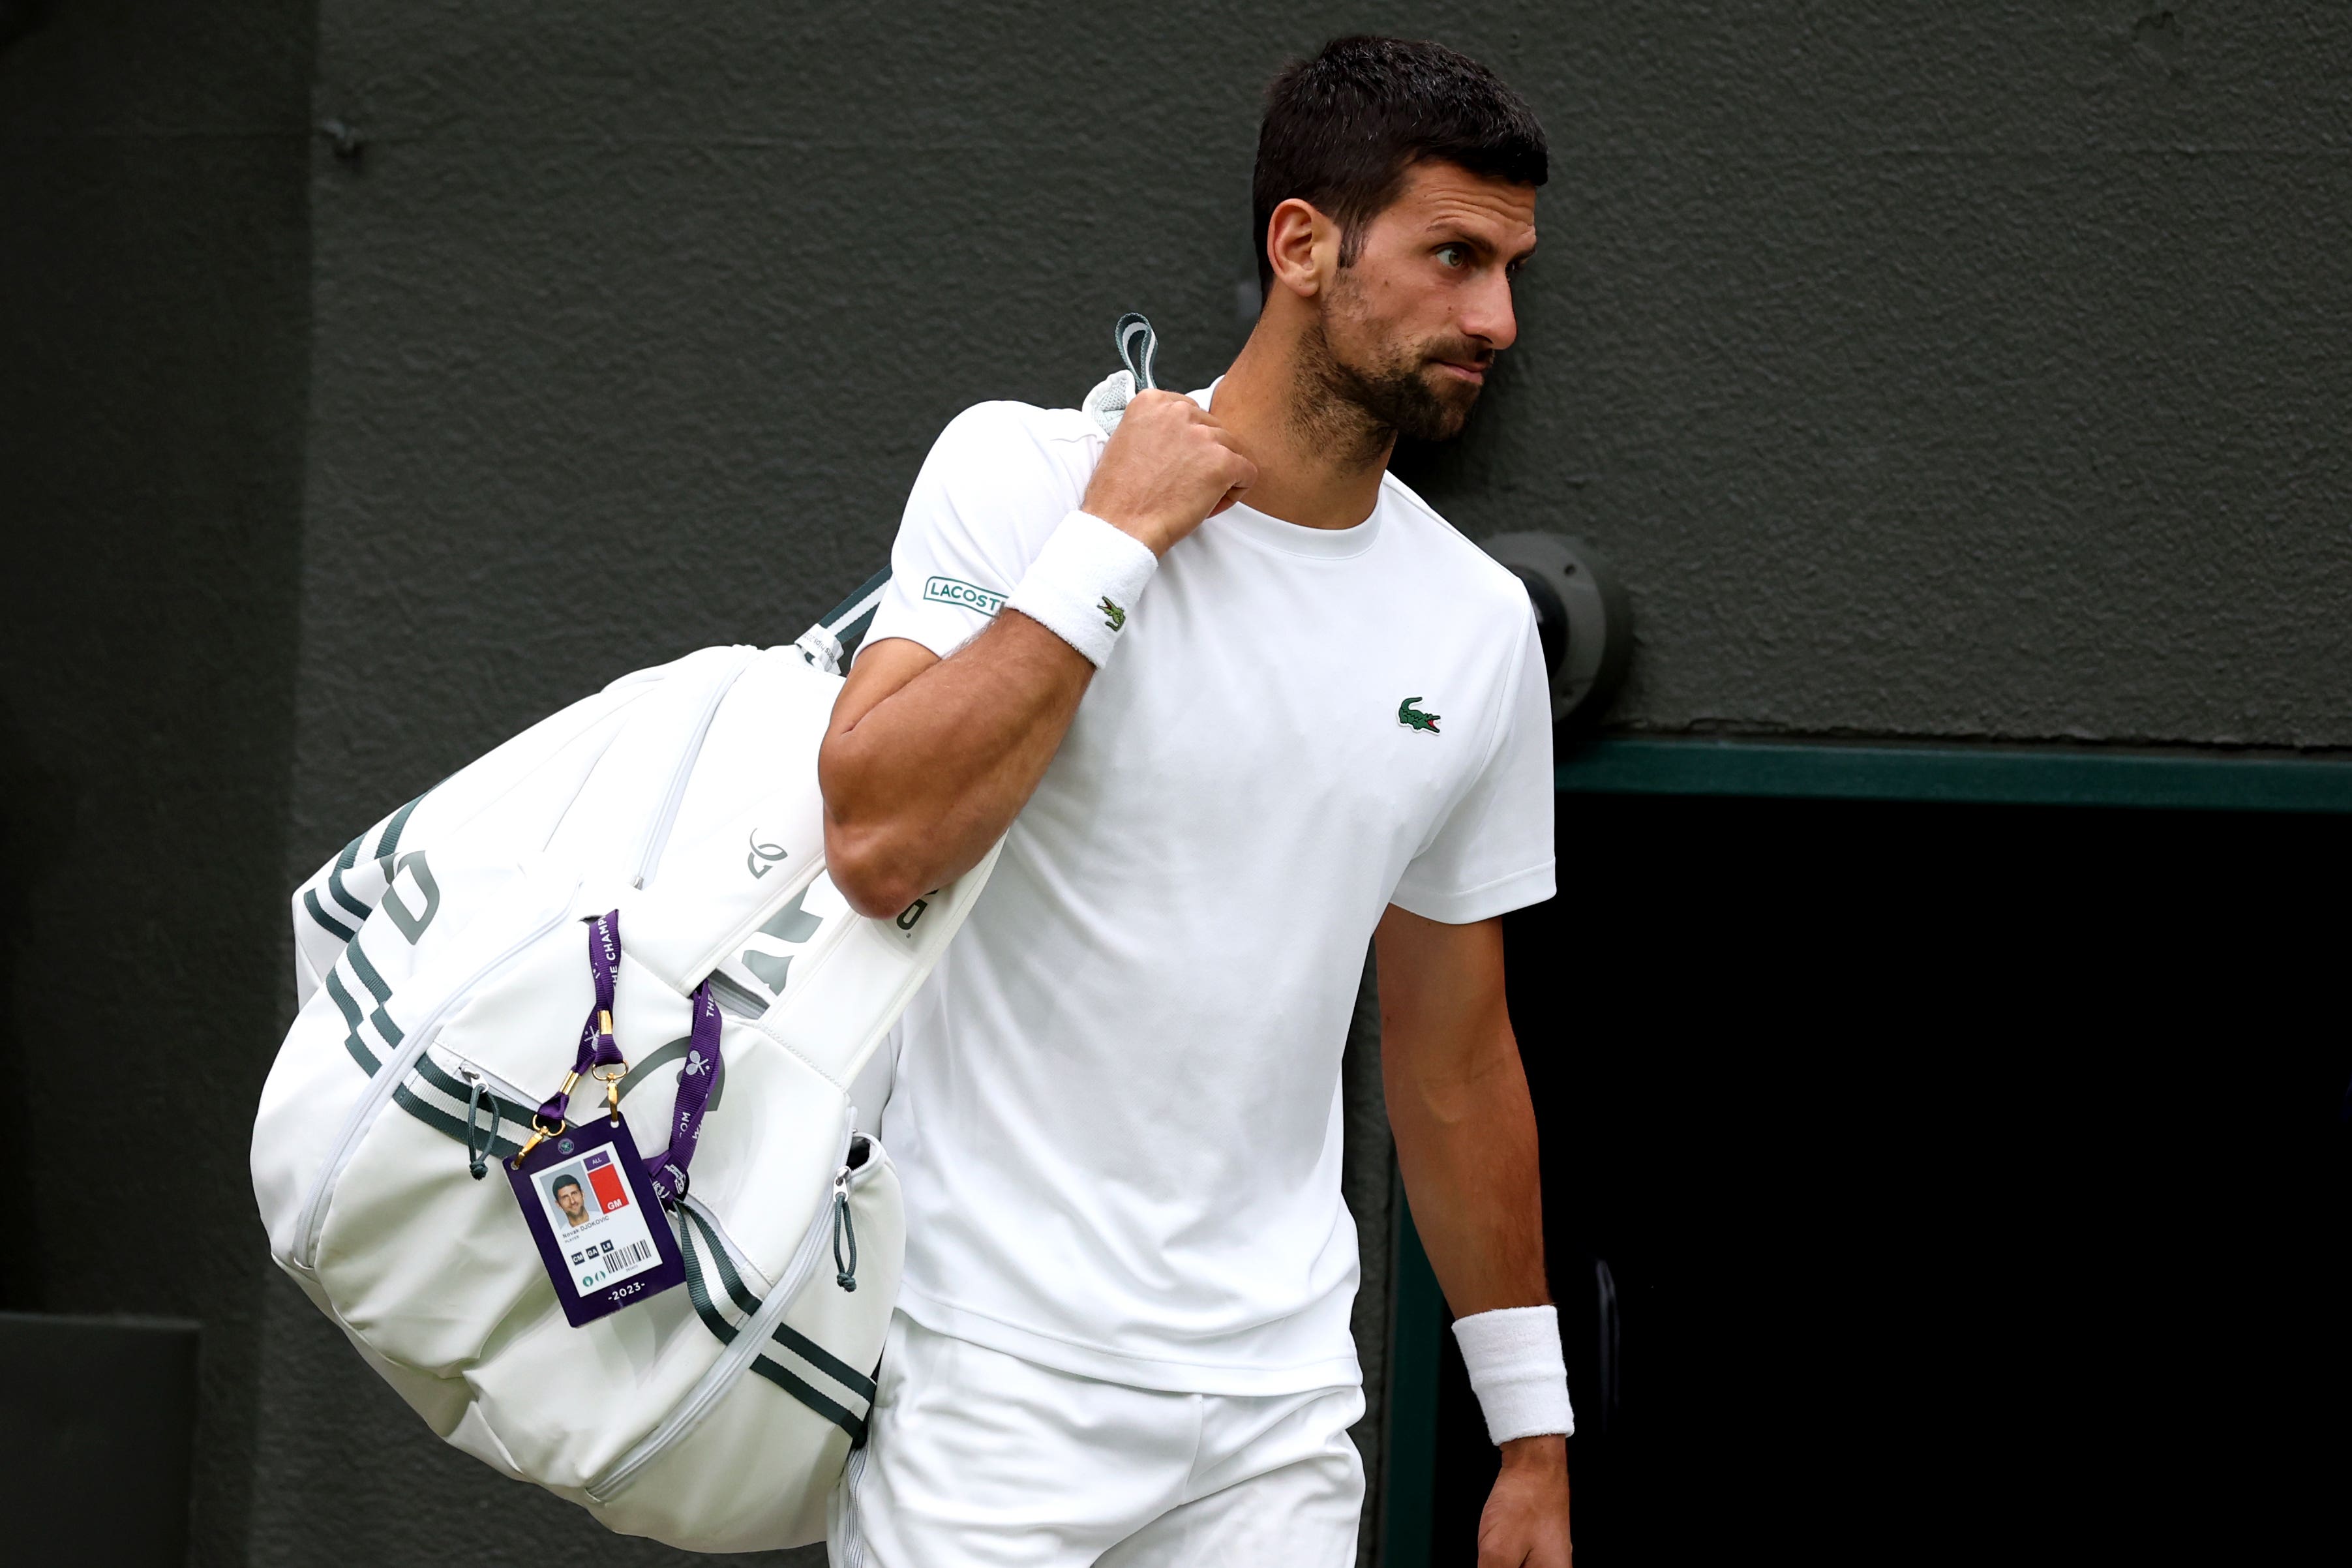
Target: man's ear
x=1304, y=246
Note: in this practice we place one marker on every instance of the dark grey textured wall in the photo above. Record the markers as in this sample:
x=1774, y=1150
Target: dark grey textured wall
x=1947, y=370
x=1969, y=373
x=153, y=270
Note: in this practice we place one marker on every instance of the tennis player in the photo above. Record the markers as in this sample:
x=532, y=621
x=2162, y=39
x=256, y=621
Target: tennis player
x=1239, y=702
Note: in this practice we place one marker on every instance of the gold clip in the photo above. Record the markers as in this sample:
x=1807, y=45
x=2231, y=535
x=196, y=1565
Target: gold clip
x=541, y=1134
x=538, y=1135
x=605, y=1020
x=611, y=1077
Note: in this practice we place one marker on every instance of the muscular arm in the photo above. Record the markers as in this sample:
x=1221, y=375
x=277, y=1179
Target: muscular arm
x=927, y=760
x=1466, y=1141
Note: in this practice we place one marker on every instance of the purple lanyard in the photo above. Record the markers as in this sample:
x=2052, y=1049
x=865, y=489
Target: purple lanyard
x=695, y=1077
x=597, y=1046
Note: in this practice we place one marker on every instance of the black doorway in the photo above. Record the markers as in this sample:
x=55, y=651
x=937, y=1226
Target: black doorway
x=1970, y=1178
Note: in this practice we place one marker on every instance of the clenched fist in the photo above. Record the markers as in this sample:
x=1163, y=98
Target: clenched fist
x=1170, y=466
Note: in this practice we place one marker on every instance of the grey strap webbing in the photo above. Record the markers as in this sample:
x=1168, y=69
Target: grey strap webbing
x=829, y=644
x=1138, y=346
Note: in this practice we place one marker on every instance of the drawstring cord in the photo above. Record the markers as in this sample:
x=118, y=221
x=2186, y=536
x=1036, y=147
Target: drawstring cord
x=844, y=1274
x=479, y=1138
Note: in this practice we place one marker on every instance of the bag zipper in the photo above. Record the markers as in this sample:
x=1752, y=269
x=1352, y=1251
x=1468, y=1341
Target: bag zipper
x=852, y=1528
x=387, y=1079
x=740, y=1352
x=656, y=839
x=473, y=1072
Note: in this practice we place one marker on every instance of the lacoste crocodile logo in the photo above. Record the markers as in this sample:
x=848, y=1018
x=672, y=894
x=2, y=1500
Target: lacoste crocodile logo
x=1113, y=616
x=1412, y=717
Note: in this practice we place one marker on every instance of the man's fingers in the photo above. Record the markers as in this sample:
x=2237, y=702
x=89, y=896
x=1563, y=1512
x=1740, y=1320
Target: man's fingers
x=1156, y=405
x=1169, y=465
x=1236, y=470
x=1239, y=473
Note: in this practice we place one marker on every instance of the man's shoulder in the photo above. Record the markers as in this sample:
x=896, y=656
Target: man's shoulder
x=991, y=429
x=1437, y=546
x=1011, y=458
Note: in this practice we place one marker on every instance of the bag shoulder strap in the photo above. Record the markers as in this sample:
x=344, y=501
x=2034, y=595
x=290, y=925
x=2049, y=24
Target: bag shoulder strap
x=829, y=644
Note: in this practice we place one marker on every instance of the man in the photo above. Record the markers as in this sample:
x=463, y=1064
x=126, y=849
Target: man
x=571, y=1200
x=1123, y=1334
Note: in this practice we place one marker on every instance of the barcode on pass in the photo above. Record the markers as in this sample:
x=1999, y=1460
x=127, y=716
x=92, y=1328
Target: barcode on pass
x=611, y=1263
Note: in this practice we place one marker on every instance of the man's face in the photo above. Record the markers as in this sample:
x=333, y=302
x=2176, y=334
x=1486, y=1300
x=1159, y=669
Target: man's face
x=1414, y=323
x=568, y=1199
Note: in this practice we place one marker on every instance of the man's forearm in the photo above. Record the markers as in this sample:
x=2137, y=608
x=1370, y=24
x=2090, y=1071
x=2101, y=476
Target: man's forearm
x=928, y=761
x=1466, y=1141
x=1458, y=1105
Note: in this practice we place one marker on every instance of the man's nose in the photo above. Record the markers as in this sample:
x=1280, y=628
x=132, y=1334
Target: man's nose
x=1488, y=315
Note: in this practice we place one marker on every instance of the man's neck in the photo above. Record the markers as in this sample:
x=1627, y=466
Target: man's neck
x=1319, y=464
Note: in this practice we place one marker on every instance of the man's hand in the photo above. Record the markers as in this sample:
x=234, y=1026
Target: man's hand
x=1168, y=467
x=1526, y=1521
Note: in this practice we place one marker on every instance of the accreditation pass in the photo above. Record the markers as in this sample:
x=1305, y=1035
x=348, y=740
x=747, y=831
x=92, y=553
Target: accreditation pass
x=595, y=1221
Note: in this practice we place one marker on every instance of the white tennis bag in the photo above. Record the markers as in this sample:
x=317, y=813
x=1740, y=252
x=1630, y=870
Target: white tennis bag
x=444, y=968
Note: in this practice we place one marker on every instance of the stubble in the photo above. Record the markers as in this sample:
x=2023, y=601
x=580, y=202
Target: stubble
x=1358, y=411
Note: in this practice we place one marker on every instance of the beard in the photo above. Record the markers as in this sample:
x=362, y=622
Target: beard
x=1366, y=402
x=1406, y=395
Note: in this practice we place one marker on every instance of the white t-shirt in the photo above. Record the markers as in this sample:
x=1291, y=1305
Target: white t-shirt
x=1117, y=1115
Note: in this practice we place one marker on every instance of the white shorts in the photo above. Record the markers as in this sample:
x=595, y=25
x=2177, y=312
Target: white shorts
x=980, y=1458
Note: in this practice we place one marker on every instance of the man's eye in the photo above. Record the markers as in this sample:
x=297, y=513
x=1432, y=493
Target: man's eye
x=1453, y=255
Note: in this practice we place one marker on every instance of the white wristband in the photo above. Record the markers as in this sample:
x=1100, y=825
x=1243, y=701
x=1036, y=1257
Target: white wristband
x=1517, y=1371
x=1085, y=583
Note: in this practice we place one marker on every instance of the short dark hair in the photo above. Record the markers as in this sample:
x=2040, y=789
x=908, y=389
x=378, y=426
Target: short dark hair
x=1341, y=129
x=564, y=1182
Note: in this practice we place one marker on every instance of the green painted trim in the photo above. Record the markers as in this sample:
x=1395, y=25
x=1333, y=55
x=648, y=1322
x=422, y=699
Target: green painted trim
x=1976, y=776
x=1416, y=1339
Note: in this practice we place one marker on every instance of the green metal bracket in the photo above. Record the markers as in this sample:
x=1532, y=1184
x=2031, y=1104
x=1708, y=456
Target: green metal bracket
x=1975, y=775
x=1416, y=1337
